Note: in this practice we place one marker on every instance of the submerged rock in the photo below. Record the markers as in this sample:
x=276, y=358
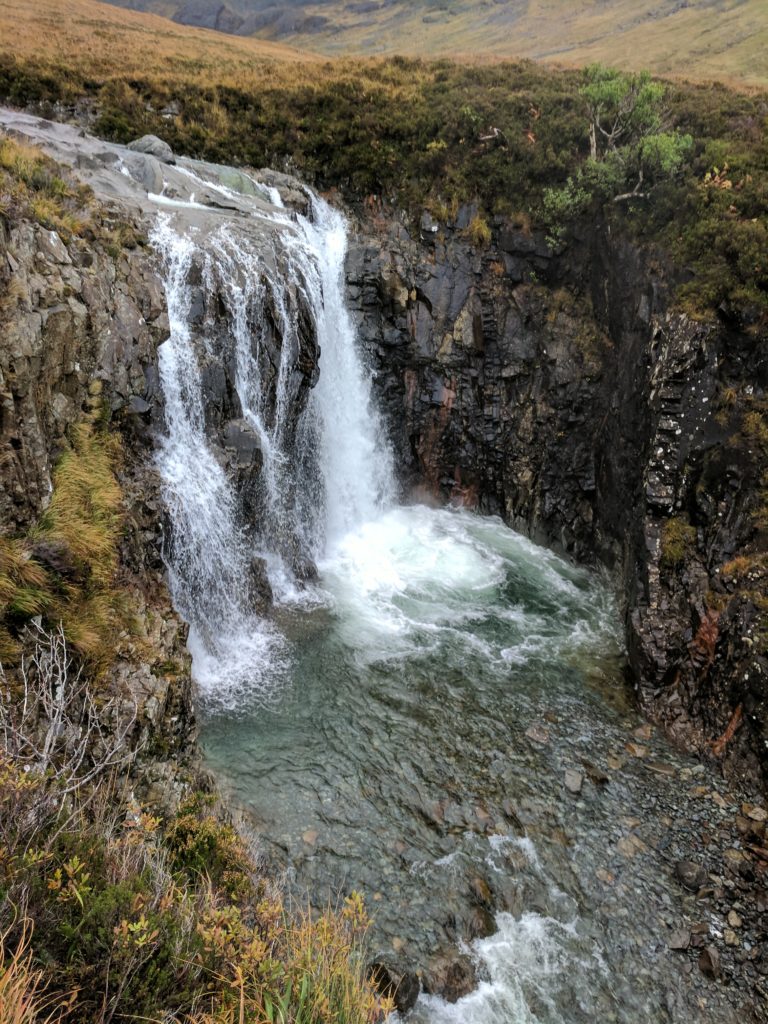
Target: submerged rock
x=691, y=875
x=709, y=962
x=451, y=977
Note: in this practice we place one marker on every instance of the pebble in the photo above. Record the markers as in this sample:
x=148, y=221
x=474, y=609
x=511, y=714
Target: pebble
x=631, y=845
x=573, y=781
x=755, y=813
x=636, y=749
x=538, y=733
x=481, y=890
x=692, y=875
x=680, y=939
x=734, y=920
x=709, y=962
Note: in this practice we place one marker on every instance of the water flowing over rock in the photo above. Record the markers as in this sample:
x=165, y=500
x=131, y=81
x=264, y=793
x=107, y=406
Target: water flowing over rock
x=562, y=393
x=257, y=315
x=452, y=733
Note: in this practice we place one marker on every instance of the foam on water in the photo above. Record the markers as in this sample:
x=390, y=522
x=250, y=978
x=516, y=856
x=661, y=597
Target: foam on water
x=532, y=966
x=416, y=576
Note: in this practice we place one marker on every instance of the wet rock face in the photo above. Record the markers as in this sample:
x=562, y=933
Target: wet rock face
x=80, y=330
x=560, y=392
x=239, y=330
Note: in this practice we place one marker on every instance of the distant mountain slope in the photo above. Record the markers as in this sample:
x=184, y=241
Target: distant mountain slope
x=108, y=42
x=703, y=38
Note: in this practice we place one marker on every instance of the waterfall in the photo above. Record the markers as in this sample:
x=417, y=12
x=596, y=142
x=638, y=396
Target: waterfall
x=239, y=298
x=355, y=460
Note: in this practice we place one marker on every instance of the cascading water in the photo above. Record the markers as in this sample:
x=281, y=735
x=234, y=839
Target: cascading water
x=207, y=560
x=400, y=725
x=329, y=474
x=355, y=460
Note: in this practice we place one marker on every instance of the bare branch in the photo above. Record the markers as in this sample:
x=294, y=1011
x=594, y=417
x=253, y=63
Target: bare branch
x=57, y=728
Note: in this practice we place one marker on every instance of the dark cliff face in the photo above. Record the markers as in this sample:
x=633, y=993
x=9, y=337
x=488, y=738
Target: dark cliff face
x=560, y=392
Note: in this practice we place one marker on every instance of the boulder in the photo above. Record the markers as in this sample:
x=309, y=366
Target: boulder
x=155, y=147
x=396, y=980
x=451, y=977
x=146, y=170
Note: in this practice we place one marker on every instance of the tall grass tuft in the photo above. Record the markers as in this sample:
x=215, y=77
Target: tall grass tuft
x=65, y=569
x=22, y=988
x=31, y=184
x=85, y=513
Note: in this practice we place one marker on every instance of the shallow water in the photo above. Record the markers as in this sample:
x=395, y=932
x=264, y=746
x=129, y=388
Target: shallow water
x=439, y=682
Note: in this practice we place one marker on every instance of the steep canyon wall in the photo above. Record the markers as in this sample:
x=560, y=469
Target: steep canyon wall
x=562, y=392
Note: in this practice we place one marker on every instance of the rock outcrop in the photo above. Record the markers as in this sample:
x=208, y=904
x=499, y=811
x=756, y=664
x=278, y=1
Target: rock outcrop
x=81, y=323
x=561, y=391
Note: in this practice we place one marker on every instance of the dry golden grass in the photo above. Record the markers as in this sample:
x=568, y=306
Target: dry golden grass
x=81, y=526
x=22, y=999
x=31, y=185
x=103, y=41
x=106, y=41
x=727, y=41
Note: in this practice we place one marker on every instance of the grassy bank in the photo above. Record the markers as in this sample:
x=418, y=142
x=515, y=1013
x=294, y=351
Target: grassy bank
x=108, y=913
x=435, y=133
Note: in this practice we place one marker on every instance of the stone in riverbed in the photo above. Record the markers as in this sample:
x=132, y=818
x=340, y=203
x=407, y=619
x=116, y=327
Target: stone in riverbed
x=690, y=874
x=573, y=781
x=538, y=733
x=154, y=147
x=480, y=924
x=596, y=775
x=636, y=749
x=680, y=939
x=450, y=977
x=709, y=962
x=481, y=891
x=755, y=813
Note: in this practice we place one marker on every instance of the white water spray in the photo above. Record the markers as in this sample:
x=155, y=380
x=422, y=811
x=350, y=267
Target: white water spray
x=355, y=458
x=260, y=287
